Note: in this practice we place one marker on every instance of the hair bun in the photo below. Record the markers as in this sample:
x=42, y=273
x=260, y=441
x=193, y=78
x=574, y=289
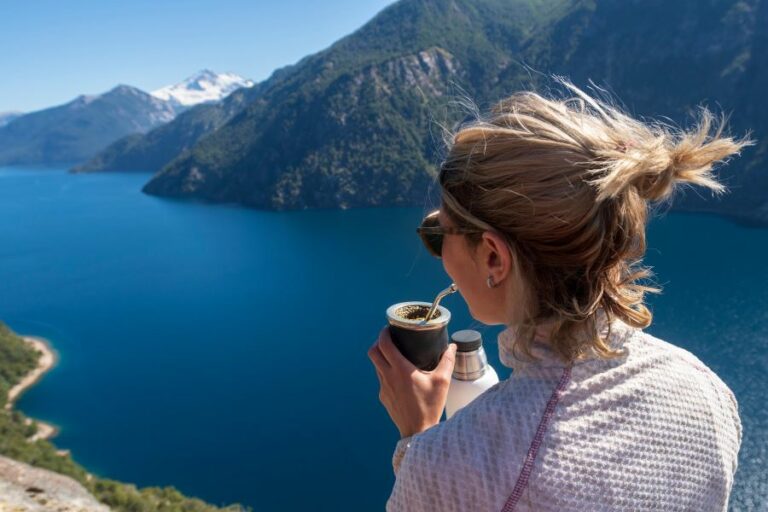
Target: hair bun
x=656, y=158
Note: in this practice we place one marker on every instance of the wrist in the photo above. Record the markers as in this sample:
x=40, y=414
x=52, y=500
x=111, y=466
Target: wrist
x=416, y=429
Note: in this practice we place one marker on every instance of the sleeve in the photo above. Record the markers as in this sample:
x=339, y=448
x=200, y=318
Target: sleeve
x=400, y=450
x=419, y=485
x=407, y=493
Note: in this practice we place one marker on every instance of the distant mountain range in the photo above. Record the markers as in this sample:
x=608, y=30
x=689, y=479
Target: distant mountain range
x=152, y=151
x=358, y=123
x=76, y=131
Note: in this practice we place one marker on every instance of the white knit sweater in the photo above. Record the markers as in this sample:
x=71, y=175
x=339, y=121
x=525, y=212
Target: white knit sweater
x=652, y=430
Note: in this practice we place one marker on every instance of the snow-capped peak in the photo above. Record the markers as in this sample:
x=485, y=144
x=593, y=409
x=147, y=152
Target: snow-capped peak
x=204, y=86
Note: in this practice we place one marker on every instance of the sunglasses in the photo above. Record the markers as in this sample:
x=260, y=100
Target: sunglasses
x=432, y=233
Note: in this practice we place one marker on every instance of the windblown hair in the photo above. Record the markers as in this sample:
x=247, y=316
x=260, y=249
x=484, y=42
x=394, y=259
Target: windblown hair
x=567, y=182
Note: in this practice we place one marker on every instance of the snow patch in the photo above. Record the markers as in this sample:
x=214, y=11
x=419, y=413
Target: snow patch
x=202, y=87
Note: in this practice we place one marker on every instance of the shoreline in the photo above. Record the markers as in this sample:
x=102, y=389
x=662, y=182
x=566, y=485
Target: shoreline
x=47, y=361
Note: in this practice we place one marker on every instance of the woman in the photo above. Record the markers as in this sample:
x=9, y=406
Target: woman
x=542, y=221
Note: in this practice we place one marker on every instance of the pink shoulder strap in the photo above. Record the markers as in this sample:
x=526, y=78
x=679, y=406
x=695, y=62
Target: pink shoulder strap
x=530, y=458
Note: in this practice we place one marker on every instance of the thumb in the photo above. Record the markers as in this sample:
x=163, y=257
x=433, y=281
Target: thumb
x=447, y=361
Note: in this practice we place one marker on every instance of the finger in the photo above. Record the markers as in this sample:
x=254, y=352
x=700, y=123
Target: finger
x=392, y=354
x=378, y=359
x=447, y=361
x=380, y=375
x=383, y=393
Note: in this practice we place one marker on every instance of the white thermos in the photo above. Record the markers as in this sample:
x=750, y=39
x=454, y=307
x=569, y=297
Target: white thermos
x=472, y=374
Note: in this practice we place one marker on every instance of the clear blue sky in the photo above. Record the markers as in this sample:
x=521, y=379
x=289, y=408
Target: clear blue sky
x=53, y=50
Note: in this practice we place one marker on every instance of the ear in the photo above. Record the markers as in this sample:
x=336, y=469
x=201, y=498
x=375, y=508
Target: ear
x=496, y=257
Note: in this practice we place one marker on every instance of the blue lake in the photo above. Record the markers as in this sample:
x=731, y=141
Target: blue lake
x=222, y=350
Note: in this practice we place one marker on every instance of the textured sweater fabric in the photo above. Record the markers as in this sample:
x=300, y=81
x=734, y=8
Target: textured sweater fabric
x=653, y=429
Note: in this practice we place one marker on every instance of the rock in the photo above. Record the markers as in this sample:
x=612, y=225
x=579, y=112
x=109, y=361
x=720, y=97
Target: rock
x=26, y=488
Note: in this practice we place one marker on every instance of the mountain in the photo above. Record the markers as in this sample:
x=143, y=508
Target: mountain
x=75, y=131
x=202, y=87
x=359, y=124
x=153, y=150
x=305, y=77
x=157, y=148
x=354, y=126
x=7, y=117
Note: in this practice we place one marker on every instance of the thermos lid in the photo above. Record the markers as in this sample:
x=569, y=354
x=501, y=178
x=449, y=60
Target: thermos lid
x=467, y=340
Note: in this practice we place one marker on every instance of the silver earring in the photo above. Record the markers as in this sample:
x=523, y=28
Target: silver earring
x=490, y=282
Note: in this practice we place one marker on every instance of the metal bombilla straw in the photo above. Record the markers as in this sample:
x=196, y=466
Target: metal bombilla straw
x=451, y=289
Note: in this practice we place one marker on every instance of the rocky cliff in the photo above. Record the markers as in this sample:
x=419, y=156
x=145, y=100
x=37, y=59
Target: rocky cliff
x=27, y=488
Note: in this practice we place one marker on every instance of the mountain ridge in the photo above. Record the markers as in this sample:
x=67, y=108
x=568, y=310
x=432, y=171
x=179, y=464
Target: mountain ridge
x=338, y=75
x=77, y=130
x=353, y=125
x=74, y=130
x=137, y=152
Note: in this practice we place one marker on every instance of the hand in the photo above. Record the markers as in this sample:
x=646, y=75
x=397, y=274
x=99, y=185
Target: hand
x=414, y=398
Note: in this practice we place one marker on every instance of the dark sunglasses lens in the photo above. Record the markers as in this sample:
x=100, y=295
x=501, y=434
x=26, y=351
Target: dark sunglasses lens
x=432, y=241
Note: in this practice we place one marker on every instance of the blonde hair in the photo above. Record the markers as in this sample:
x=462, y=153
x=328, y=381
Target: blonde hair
x=567, y=182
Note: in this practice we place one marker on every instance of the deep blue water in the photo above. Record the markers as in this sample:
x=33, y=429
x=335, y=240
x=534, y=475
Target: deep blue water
x=223, y=350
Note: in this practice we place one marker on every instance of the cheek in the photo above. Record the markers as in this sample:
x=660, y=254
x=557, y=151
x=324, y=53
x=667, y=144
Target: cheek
x=468, y=289
x=460, y=268
x=450, y=261
x=463, y=270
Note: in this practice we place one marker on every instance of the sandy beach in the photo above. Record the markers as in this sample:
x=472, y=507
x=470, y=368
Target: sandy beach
x=48, y=359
